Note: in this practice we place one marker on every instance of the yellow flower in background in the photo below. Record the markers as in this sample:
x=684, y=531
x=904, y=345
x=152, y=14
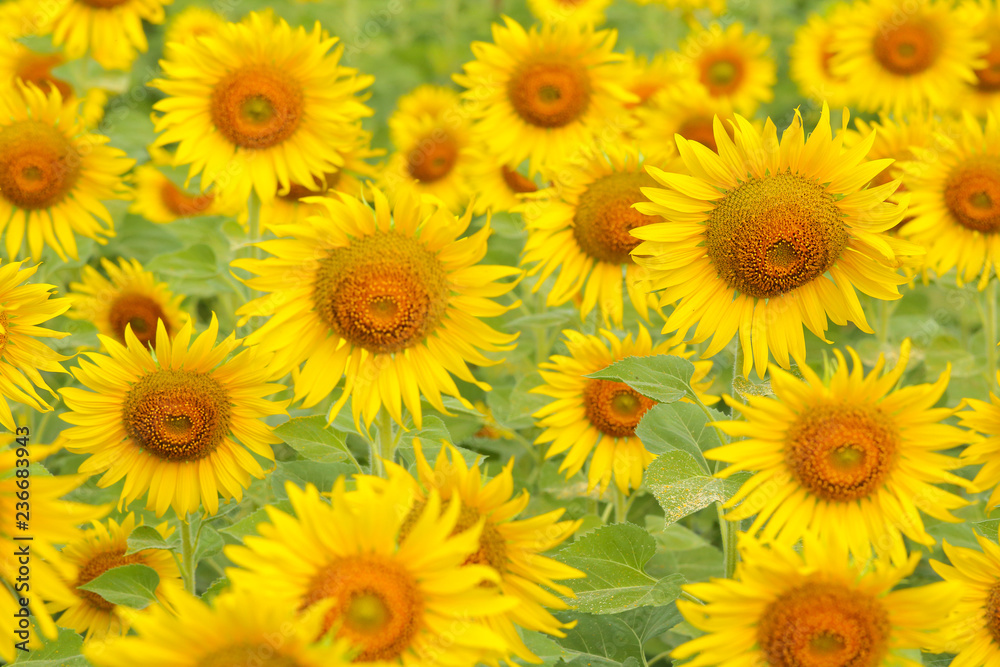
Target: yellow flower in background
x=581, y=227
x=895, y=139
x=259, y=105
x=984, y=417
x=645, y=77
x=110, y=30
x=129, y=296
x=583, y=12
x=852, y=458
x=596, y=419
x=159, y=199
x=183, y=424
x=977, y=615
x=983, y=94
x=389, y=300
x=717, y=7
x=902, y=60
x=236, y=629
x=511, y=546
x=53, y=174
x=732, y=65
x=765, y=236
x=814, y=608
x=99, y=549
x=497, y=187
x=811, y=56
x=398, y=589
x=685, y=108
x=546, y=93
x=189, y=25
x=955, y=202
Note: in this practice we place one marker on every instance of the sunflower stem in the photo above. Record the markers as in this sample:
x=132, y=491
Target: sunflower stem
x=253, y=224
x=383, y=449
x=621, y=506
x=990, y=333
x=728, y=529
x=188, y=566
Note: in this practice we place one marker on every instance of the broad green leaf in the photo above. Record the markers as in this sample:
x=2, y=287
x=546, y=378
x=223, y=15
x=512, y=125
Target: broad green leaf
x=248, y=525
x=987, y=528
x=210, y=543
x=311, y=438
x=129, y=585
x=663, y=377
x=63, y=651
x=682, y=487
x=678, y=426
x=147, y=537
x=218, y=586
x=611, y=640
x=300, y=473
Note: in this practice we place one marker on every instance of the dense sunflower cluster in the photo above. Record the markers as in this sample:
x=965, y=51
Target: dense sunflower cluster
x=476, y=335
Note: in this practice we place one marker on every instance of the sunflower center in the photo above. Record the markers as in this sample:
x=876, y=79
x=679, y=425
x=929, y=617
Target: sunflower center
x=842, y=453
x=699, y=129
x=907, y=49
x=432, y=159
x=972, y=194
x=604, y=216
x=516, y=182
x=378, y=608
x=993, y=612
x=182, y=204
x=38, y=165
x=95, y=567
x=492, y=545
x=771, y=235
x=5, y=334
x=549, y=94
x=36, y=68
x=824, y=625
x=722, y=75
x=988, y=78
x=238, y=655
x=319, y=186
x=385, y=292
x=177, y=415
x=614, y=408
x=257, y=106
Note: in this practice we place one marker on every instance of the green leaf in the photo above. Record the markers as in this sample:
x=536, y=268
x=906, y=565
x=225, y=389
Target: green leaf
x=682, y=487
x=63, y=651
x=210, y=543
x=311, y=438
x=614, y=559
x=678, y=426
x=218, y=586
x=987, y=528
x=300, y=473
x=129, y=585
x=608, y=641
x=663, y=377
x=248, y=525
x=147, y=537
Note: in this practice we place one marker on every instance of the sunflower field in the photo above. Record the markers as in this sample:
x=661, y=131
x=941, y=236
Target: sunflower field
x=441, y=333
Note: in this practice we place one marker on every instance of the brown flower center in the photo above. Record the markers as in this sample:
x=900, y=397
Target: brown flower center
x=264, y=654
x=177, y=415
x=36, y=68
x=842, y=453
x=604, y=216
x=433, y=158
x=95, y=567
x=988, y=78
x=5, y=334
x=549, y=93
x=722, y=73
x=768, y=236
x=492, y=545
x=257, y=106
x=992, y=612
x=319, y=186
x=379, y=606
x=140, y=311
x=972, y=194
x=699, y=128
x=516, y=182
x=820, y=624
x=38, y=165
x=907, y=49
x=182, y=204
x=103, y=4
x=614, y=408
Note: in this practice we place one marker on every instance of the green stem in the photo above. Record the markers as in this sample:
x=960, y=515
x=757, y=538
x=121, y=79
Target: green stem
x=253, y=224
x=384, y=446
x=621, y=506
x=729, y=554
x=990, y=333
x=188, y=565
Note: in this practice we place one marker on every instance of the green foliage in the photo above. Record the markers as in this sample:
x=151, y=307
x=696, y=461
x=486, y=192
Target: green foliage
x=129, y=585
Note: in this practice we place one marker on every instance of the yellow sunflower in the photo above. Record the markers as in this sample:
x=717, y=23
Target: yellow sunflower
x=189, y=25
x=511, y=546
x=431, y=133
x=717, y=7
x=810, y=59
x=895, y=139
x=546, y=93
x=852, y=457
x=983, y=94
x=180, y=423
x=53, y=174
x=25, y=18
x=569, y=11
x=397, y=587
x=734, y=67
x=645, y=77
x=904, y=60
x=129, y=296
x=955, y=201
x=597, y=418
x=763, y=237
x=687, y=109
x=98, y=550
x=159, y=199
x=51, y=522
x=498, y=187
x=389, y=301
x=814, y=608
x=111, y=30
x=581, y=227
x=984, y=417
x=977, y=615
x=237, y=629
x=259, y=105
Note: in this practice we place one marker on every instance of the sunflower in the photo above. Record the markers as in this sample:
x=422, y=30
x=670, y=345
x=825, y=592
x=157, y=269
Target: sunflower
x=129, y=296
x=259, y=104
x=984, y=417
x=851, y=458
x=645, y=77
x=53, y=174
x=569, y=11
x=98, y=550
x=687, y=109
x=546, y=93
x=397, y=587
x=956, y=200
x=765, y=236
x=717, y=7
x=894, y=139
x=390, y=302
x=511, y=546
x=977, y=614
x=431, y=133
x=110, y=29
x=25, y=18
x=52, y=522
x=817, y=607
x=235, y=630
x=498, y=186
x=734, y=67
x=180, y=423
x=902, y=60
x=159, y=199
x=983, y=94
x=581, y=226
x=597, y=418
x=189, y=25
x=810, y=59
